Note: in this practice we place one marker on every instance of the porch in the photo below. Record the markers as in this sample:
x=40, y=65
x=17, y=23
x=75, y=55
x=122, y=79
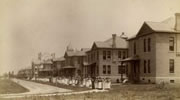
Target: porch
x=133, y=67
x=69, y=71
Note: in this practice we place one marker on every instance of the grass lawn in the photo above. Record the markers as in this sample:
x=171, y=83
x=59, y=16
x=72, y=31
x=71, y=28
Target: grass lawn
x=8, y=86
x=74, y=88
x=122, y=92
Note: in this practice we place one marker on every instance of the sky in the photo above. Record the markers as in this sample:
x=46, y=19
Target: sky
x=28, y=27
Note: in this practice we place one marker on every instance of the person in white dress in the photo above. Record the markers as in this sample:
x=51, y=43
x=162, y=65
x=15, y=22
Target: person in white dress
x=100, y=83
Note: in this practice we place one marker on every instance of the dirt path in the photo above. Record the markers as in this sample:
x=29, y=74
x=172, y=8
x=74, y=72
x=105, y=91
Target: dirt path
x=35, y=89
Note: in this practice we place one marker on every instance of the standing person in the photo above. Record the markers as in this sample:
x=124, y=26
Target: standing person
x=100, y=83
x=93, y=82
x=108, y=83
x=84, y=82
x=103, y=83
x=96, y=83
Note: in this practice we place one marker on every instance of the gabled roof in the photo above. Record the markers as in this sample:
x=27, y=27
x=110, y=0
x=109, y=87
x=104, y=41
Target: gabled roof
x=132, y=37
x=167, y=25
x=164, y=26
x=69, y=53
x=59, y=59
x=37, y=62
x=47, y=61
x=82, y=52
x=120, y=43
x=85, y=49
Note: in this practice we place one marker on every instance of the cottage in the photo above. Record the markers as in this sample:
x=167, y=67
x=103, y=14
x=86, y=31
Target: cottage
x=154, y=53
x=58, y=64
x=104, y=56
x=25, y=73
x=43, y=66
x=73, y=62
x=46, y=70
x=36, y=65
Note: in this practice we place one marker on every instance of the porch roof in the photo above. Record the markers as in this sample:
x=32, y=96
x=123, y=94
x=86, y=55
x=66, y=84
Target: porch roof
x=45, y=69
x=65, y=67
x=85, y=63
x=133, y=58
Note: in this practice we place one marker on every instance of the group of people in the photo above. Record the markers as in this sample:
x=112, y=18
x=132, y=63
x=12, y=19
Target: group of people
x=94, y=83
x=68, y=81
x=101, y=83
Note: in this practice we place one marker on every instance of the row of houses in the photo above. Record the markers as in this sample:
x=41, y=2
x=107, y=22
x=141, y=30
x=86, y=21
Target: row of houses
x=151, y=56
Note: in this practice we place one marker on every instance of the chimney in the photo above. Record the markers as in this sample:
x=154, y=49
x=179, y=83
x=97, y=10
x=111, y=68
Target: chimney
x=177, y=21
x=114, y=40
x=39, y=56
x=124, y=36
x=53, y=55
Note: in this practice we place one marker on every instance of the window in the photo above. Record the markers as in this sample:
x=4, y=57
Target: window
x=119, y=54
x=97, y=55
x=104, y=55
x=71, y=61
x=109, y=54
x=171, y=65
x=149, y=66
x=121, y=69
x=171, y=81
x=109, y=69
x=104, y=69
x=124, y=54
x=92, y=56
x=97, y=70
x=144, y=66
x=135, y=69
x=88, y=58
x=149, y=44
x=171, y=43
x=144, y=45
x=134, y=48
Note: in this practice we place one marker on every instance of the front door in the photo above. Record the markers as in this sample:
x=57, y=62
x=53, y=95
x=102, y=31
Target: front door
x=93, y=69
x=135, y=71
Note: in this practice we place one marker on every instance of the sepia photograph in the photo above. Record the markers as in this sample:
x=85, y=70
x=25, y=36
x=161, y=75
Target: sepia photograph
x=89, y=49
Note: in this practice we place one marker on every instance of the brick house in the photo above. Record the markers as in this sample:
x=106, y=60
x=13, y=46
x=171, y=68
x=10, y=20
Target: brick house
x=154, y=53
x=25, y=73
x=46, y=69
x=43, y=66
x=104, y=56
x=73, y=62
x=36, y=65
x=58, y=64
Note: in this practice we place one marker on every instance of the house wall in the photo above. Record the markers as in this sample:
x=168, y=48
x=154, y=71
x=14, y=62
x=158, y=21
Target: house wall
x=114, y=61
x=77, y=62
x=159, y=57
x=145, y=77
x=163, y=54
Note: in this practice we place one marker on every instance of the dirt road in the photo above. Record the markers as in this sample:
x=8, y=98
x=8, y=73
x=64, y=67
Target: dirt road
x=35, y=89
